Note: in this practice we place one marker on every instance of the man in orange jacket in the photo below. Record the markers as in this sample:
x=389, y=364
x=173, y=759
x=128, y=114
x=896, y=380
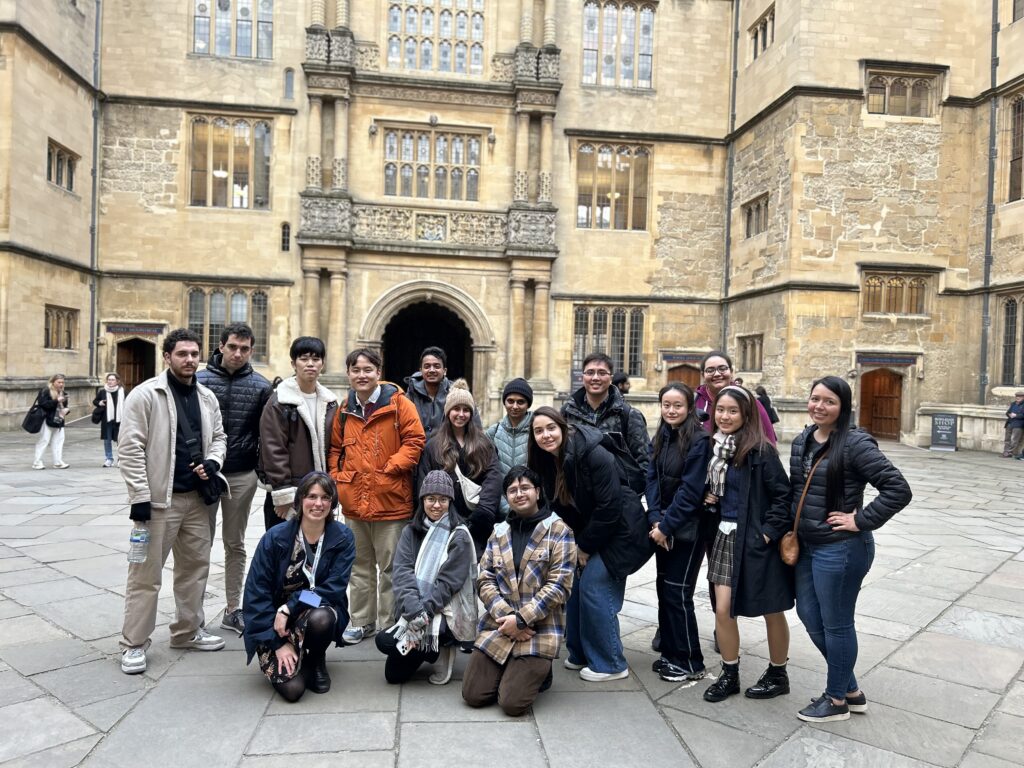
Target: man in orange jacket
x=375, y=446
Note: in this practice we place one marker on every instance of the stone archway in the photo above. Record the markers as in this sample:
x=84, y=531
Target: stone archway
x=421, y=325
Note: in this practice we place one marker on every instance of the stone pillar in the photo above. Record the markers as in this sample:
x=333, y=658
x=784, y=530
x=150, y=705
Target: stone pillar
x=517, y=325
x=318, y=17
x=549, y=22
x=547, y=133
x=340, y=166
x=521, y=181
x=526, y=22
x=341, y=14
x=311, y=302
x=539, y=360
x=336, y=319
x=314, y=174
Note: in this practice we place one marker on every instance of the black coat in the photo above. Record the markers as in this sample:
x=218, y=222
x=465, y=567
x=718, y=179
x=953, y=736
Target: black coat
x=675, y=485
x=50, y=407
x=611, y=416
x=109, y=430
x=863, y=463
x=242, y=396
x=606, y=517
x=761, y=582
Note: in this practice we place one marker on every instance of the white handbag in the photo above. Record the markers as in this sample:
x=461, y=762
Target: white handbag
x=470, y=490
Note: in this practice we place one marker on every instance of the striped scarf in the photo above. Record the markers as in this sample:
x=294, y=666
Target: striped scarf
x=723, y=448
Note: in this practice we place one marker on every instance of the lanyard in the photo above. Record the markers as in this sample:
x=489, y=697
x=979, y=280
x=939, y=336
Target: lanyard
x=306, y=569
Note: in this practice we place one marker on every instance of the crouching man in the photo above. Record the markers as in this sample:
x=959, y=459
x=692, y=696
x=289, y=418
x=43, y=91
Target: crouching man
x=525, y=578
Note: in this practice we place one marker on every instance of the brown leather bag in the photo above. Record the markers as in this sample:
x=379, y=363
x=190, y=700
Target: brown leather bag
x=789, y=544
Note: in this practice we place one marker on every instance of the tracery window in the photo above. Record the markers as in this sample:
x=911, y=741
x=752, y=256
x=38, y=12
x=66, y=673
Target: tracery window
x=242, y=28
x=894, y=294
x=616, y=331
x=433, y=164
x=901, y=95
x=229, y=162
x=60, y=327
x=618, y=44
x=210, y=309
x=1016, y=169
x=612, y=186
x=436, y=36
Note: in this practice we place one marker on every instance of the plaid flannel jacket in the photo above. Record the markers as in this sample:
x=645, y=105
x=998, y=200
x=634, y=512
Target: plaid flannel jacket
x=548, y=567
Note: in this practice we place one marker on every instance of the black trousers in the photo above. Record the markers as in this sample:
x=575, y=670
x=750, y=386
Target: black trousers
x=678, y=571
x=398, y=668
x=270, y=518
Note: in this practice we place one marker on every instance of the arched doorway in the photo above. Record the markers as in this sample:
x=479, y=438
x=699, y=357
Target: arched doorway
x=685, y=374
x=881, y=402
x=136, y=362
x=426, y=324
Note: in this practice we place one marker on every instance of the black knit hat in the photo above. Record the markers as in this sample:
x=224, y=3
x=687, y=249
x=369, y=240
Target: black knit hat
x=518, y=387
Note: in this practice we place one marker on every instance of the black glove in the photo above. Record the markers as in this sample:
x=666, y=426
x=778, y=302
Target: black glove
x=141, y=511
x=211, y=467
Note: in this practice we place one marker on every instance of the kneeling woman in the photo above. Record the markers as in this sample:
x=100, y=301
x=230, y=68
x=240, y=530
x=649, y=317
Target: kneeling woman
x=748, y=483
x=295, y=595
x=433, y=585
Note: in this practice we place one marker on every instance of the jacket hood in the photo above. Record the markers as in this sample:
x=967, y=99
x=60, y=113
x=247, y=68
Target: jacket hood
x=387, y=392
x=215, y=364
x=585, y=439
x=415, y=383
x=288, y=392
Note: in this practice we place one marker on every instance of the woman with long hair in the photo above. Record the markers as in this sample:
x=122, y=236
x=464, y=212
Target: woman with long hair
x=588, y=490
x=53, y=401
x=747, y=482
x=834, y=460
x=460, y=448
x=675, y=512
x=108, y=406
x=295, y=594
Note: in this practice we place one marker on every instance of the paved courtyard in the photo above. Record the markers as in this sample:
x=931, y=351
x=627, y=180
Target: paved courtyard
x=941, y=622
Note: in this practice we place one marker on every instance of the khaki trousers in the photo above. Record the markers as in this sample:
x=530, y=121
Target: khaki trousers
x=369, y=589
x=184, y=529
x=235, y=515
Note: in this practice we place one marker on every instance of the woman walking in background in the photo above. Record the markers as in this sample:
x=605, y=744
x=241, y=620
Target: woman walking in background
x=53, y=401
x=108, y=405
x=830, y=464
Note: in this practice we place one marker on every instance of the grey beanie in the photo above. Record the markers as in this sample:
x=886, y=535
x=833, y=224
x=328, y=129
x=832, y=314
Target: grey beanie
x=518, y=387
x=437, y=483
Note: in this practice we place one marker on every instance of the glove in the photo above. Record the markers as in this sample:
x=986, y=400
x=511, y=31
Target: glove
x=211, y=467
x=141, y=511
x=419, y=623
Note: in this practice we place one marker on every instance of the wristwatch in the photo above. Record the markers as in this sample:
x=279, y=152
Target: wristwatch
x=520, y=622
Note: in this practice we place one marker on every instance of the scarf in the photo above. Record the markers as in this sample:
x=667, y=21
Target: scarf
x=723, y=448
x=114, y=404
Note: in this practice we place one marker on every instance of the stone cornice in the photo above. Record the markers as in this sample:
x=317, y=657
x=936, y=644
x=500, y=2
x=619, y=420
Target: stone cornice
x=797, y=90
x=642, y=136
x=369, y=84
x=193, y=104
x=194, y=277
x=49, y=53
x=9, y=246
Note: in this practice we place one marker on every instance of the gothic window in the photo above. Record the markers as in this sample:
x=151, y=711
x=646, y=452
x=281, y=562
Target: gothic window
x=892, y=293
x=751, y=349
x=447, y=164
x=286, y=237
x=616, y=331
x=908, y=95
x=618, y=43
x=873, y=294
x=1016, y=149
x=209, y=309
x=289, y=83
x=612, y=186
x=241, y=28
x=1009, y=341
x=229, y=163
x=755, y=215
x=425, y=39
x=762, y=33
x=61, y=165
x=60, y=327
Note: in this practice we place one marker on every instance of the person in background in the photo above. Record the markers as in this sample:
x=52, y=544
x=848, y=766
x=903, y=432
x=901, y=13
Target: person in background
x=718, y=373
x=1014, y=431
x=53, y=401
x=766, y=403
x=428, y=387
x=621, y=382
x=511, y=434
x=109, y=407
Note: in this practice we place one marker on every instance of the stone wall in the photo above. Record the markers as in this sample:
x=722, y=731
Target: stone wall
x=690, y=245
x=140, y=156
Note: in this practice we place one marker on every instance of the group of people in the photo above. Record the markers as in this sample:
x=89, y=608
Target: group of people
x=391, y=512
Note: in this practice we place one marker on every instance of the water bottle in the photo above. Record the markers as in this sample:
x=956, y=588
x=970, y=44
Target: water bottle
x=138, y=544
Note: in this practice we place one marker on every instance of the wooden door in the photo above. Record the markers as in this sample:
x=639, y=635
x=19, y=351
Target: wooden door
x=136, y=362
x=881, y=401
x=686, y=374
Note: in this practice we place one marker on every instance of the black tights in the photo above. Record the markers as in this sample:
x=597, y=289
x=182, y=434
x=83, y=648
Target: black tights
x=319, y=633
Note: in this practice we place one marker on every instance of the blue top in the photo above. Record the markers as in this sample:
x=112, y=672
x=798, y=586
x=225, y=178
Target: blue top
x=731, y=501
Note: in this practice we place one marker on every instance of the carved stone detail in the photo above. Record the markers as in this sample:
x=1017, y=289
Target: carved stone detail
x=521, y=185
x=485, y=229
x=314, y=172
x=339, y=173
x=431, y=227
x=325, y=217
x=534, y=229
x=400, y=93
x=503, y=68
x=537, y=98
x=341, y=50
x=544, y=187
x=372, y=222
x=330, y=82
x=548, y=64
x=526, y=63
x=317, y=45
x=367, y=56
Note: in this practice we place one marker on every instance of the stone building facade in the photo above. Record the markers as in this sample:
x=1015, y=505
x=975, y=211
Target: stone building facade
x=819, y=186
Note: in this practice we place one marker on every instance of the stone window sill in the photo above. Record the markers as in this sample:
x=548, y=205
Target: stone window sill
x=888, y=316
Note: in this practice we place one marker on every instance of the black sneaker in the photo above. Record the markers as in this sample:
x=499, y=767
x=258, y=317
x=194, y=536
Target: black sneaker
x=673, y=673
x=233, y=620
x=824, y=710
x=656, y=641
x=858, y=703
x=658, y=664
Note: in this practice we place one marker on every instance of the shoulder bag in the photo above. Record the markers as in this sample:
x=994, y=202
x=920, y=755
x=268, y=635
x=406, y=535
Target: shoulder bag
x=789, y=544
x=33, y=421
x=211, y=488
x=470, y=490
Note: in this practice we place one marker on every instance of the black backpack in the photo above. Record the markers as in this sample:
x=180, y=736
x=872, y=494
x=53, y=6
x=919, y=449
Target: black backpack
x=615, y=442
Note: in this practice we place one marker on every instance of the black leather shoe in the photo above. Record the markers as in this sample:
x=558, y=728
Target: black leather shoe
x=317, y=679
x=774, y=682
x=727, y=684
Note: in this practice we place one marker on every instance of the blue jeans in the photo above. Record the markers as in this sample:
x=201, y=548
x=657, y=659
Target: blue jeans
x=828, y=579
x=108, y=448
x=592, y=619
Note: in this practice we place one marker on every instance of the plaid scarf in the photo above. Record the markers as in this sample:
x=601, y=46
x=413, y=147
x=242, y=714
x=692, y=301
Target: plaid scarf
x=723, y=448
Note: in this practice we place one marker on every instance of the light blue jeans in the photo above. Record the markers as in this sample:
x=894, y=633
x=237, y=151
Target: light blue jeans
x=592, y=619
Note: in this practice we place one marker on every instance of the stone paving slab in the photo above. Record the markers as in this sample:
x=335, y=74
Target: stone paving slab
x=40, y=723
x=938, y=699
x=336, y=732
x=443, y=745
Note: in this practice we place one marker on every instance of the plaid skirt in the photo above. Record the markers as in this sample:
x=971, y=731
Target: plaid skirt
x=720, y=564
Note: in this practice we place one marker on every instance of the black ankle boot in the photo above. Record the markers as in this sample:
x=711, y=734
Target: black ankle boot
x=727, y=684
x=774, y=682
x=317, y=679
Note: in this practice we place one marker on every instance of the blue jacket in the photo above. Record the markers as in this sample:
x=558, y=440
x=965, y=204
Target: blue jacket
x=264, y=584
x=1015, y=415
x=679, y=516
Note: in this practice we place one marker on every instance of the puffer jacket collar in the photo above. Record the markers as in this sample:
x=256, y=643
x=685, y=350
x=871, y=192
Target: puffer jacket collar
x=578, y=407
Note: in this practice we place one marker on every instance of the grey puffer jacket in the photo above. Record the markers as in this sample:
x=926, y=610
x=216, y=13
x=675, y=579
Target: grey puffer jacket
x=864, y=463
x=510, y=443
x=610, y=417
x=241, y=395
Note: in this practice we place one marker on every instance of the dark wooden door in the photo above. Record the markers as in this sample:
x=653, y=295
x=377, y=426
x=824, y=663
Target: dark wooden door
x=136, y=362
x=881, y=400
x=686, y=374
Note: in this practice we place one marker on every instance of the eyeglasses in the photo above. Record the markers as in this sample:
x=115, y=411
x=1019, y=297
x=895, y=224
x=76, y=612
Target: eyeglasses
x=520, y=490
x=719, y=369
x=435, y=501
x=593, y=373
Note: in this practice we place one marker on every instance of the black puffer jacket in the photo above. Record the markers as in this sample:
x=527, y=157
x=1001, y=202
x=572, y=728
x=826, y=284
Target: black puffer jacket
x=242, y=396
x=864, y=463
x=610, y=417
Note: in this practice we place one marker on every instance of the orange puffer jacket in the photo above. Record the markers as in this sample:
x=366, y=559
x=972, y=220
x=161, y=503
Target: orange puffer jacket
x=373, y=461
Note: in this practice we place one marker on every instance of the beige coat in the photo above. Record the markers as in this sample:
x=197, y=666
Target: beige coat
x=149, y=430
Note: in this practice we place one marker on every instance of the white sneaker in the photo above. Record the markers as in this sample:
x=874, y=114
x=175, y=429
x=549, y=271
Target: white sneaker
x=38, y=465
x=108, y=463
x=570, y=664
x=443, y=666
x=133, y=661
x=600, y=677
x=201, y=641
x=61, y=465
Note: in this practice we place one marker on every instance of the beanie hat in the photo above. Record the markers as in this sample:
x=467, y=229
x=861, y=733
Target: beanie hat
x=437, y=483
x=459, y=394
x=518, y=387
